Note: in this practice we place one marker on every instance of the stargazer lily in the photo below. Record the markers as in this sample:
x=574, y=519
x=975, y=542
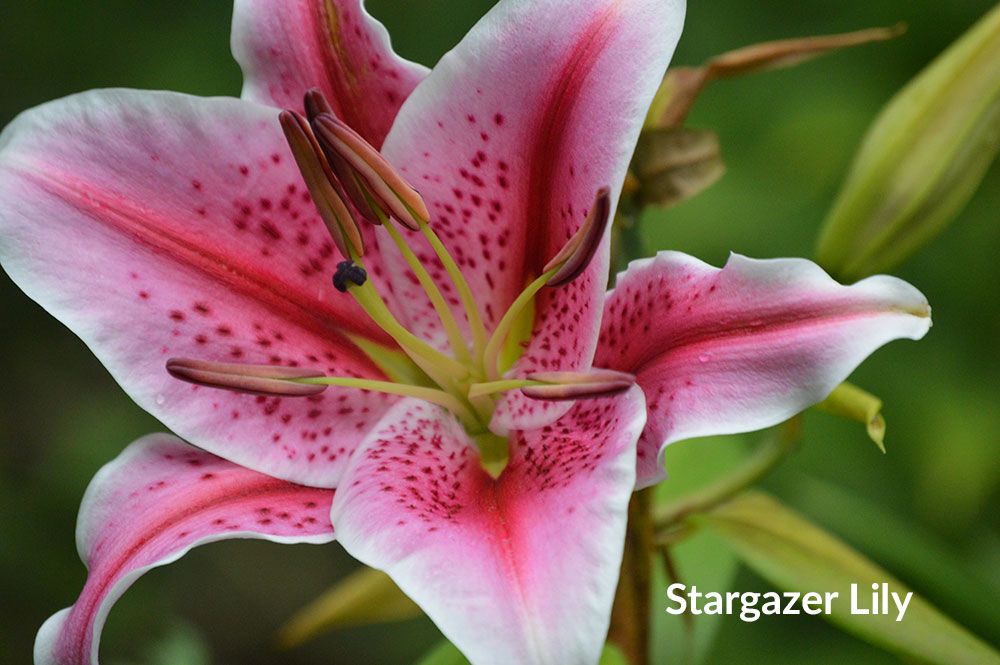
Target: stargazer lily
x=466, y=408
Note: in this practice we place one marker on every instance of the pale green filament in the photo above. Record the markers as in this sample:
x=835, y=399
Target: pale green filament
x=464, y=292
x=444, y=312
x=490, y=387
x=428, y=358
x=491, y=355
x=433, y=395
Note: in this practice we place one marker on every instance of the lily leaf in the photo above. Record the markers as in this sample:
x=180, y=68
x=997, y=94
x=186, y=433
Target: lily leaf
x=366, y=596
x=849, y=401
x=444, y=654
x=795, y=555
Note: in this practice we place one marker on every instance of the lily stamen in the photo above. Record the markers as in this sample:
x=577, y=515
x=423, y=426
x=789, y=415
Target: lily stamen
x=253, y=379
x=379, y=193
x=560, y=385
x=563, y=268
x=379, y=180
x=274, y=381
x=448, y=321
x=322, y=184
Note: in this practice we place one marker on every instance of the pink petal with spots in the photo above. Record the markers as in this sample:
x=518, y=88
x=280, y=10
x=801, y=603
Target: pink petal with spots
x=744, y=347
x=521, y=569
x=286, y=47
x=509, y=139
x=147, y=508
x=158, y=225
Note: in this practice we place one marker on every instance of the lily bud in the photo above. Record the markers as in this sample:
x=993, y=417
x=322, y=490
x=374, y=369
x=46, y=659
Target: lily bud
x=380, y=183
x=577, y=253
x=267, y=380
x=578, y=385
x=322, y=185
x=921, y=161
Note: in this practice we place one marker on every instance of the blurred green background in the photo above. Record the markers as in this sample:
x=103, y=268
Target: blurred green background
x=927, y=511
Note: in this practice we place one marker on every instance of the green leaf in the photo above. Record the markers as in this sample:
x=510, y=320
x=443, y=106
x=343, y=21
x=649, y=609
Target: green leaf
x=444, y=654
x=924, y=558
x=364, y=597
x=612, y=656
x=795, y=555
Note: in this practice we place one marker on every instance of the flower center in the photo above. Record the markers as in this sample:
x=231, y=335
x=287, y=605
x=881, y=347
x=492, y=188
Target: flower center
x=352, y=184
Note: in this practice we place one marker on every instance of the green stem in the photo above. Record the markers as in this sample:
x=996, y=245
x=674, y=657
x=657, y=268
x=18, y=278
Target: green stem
x=629, y=629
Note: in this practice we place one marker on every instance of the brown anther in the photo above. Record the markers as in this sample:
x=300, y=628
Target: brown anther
x=578, y=385
x=576, y=254
x=322, y=185
x=267, y=380
x=381, y=184
x=315, y=103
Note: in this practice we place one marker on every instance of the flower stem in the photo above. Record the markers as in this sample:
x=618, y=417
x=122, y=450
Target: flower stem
x=630, y=617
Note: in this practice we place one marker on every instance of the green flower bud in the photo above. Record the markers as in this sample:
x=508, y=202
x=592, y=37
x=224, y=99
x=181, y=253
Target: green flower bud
x=921, y=161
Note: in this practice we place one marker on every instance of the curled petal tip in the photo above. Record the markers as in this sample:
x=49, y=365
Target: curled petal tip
x=578, y=385
x=379, y=183
x=322, y=184
x=267, y=380
x=576, y=254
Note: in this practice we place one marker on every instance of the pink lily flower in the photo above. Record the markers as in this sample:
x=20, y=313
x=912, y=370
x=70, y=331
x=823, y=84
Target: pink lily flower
x=473, y=413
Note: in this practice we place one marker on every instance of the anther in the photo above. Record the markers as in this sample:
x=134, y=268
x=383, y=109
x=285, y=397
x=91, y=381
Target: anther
x=322, y=184
x=578, y=385
x=267, y=380
x=577, y=254
x=316, y=103
x=348, y=271
x=380, y=184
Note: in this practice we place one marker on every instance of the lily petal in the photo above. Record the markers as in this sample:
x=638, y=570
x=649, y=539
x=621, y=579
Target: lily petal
x=286, y=47
x=147, y=508
x=159, y=225
x=509, y=139
x=521, y=569
x=744, y=347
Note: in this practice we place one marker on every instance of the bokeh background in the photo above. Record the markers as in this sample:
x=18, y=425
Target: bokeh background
x=927, y=511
